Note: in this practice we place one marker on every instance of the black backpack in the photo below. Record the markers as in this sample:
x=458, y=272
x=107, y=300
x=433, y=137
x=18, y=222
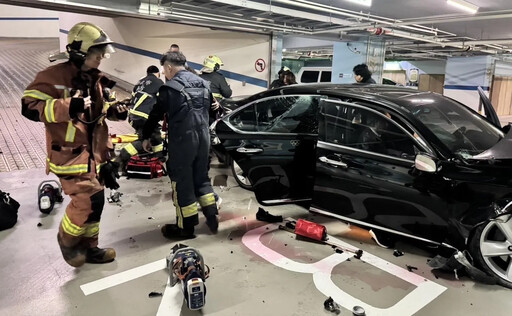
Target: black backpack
x=8, y=211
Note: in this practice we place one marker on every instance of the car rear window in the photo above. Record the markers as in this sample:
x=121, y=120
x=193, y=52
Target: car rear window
x=309, y=76
x=326, y=76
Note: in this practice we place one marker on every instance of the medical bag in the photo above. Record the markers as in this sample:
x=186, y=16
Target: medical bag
x=145, y=167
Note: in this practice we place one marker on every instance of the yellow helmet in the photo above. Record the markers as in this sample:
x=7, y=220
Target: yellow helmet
x=213, y=62
x=84, y=35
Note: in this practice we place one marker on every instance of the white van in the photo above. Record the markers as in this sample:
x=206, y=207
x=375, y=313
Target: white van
x=314, y=74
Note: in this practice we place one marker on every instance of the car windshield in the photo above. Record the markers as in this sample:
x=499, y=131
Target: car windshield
x=463, y=131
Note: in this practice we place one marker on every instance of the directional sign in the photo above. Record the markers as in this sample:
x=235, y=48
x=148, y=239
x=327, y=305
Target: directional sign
x=260, y=65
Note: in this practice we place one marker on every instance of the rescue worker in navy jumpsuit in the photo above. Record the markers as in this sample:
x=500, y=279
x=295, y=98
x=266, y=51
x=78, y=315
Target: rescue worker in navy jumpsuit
x=143, y=99
x=186, y=100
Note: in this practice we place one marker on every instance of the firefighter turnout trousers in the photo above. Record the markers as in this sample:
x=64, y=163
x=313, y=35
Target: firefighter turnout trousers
x=79, y=227
x=188, y=170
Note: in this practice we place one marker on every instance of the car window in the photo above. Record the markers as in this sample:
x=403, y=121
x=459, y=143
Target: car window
x=309, y=76
x=245, y=119
x=462, y=131
x=288, y=114
x=366, y=130
x=325, y=76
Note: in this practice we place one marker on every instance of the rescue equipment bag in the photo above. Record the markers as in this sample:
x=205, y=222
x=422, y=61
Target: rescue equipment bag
x=145, y=167
x=8, y=211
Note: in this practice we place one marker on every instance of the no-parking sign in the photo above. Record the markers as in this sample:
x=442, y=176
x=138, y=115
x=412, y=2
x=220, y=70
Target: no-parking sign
x=260, y=65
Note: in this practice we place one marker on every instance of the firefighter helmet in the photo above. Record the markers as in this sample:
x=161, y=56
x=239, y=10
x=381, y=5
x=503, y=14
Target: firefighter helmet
x=84, y=35
x=213, y=62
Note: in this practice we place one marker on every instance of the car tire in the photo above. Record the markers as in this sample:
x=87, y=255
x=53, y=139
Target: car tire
x=483, y=247
x=237, y=173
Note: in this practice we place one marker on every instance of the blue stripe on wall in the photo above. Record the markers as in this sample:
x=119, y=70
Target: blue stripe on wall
x=28, y=19
x=227, y=74
x=468, y=88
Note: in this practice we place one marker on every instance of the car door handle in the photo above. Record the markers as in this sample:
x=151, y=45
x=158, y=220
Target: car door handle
x=249, y=150
x=333, y=162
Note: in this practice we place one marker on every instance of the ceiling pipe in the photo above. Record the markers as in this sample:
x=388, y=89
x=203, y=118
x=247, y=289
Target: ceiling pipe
x=194, y=16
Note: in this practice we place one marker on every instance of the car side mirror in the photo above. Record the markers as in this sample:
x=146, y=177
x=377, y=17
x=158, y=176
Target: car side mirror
x=425, y=163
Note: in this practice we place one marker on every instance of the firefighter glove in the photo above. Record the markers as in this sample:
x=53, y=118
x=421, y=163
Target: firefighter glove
x=109, y=172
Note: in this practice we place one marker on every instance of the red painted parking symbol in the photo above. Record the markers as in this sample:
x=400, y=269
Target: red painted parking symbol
x=260, y=65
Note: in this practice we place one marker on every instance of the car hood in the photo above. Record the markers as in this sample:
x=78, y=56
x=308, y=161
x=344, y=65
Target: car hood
x=501, y=151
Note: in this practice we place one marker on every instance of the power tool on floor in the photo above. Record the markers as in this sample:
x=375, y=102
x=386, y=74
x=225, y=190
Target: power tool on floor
x=186, y=264
x=49, y=192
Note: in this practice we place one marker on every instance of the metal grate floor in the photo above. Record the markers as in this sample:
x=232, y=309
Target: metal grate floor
x=23, y=142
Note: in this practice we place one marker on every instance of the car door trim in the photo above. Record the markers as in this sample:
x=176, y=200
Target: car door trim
x=280, y=201
x=326, y=145
x=355, y=221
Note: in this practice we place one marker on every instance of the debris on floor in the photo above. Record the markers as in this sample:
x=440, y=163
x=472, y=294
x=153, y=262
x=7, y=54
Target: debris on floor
x=398, y=253
x=265, y=216
x=461, y=262
x=151, y=217
x=154, y=294
x=115, y=196
x=39, y=224
x=332, y=306
x=411, y=268
x=358, y=311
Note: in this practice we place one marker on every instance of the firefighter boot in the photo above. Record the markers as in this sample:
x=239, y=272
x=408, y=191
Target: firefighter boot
x=210, y=212
x=100, y=255
x=172, y=231
x=74, y=256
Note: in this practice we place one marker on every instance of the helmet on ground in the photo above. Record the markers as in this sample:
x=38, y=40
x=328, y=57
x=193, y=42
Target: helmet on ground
x=84, y=35
x=213, y=62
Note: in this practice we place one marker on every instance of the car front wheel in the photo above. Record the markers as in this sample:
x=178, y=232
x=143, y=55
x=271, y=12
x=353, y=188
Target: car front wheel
x=239, y=176
x=491, y=247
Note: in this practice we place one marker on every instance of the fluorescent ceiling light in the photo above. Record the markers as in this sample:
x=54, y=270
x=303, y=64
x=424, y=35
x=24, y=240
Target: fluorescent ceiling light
x=367, y=3
x=464, y=5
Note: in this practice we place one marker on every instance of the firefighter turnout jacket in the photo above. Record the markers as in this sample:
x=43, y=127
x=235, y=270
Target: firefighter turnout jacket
x=77, y=143
x=144, y=98
x=218, y=84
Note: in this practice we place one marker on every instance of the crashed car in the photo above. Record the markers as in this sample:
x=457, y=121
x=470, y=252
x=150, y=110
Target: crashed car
x=415, y=164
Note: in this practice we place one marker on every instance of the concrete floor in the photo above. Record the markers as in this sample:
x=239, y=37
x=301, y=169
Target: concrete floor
x=271, y=274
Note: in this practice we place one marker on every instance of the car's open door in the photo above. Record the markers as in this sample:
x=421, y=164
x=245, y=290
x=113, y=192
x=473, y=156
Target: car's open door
x=273, y=141
x=490, y=113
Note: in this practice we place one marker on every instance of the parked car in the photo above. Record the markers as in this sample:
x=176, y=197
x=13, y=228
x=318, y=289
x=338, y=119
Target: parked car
x=396, y=160
x=314, y=74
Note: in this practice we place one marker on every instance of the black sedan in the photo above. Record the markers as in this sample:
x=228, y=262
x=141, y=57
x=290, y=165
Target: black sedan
x=396, y=160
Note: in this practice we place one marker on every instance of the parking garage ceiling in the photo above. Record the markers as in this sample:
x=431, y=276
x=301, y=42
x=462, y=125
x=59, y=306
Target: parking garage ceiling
x=412, y=29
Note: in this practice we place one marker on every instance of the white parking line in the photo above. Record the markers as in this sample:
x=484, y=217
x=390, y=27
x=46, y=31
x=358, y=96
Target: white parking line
x=122, y=277
x=425, y=291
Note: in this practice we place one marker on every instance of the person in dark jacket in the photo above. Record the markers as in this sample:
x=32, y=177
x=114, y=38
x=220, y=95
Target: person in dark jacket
x=279, y=82
x=185, y=99
x=218, y=84
x=144, y=96
x=362, y=74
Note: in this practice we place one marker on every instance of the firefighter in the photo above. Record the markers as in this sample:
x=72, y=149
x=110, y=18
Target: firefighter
x=143, y=99
x=185, y=99
x=218, y=84
x=70, y=99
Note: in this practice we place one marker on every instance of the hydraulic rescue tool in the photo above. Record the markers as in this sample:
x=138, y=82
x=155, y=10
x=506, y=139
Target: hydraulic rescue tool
x=186, y=264
x=49, y=192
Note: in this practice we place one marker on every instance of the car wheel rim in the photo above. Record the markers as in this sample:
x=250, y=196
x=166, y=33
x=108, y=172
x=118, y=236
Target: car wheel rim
x=240, y=174
x=496, y=248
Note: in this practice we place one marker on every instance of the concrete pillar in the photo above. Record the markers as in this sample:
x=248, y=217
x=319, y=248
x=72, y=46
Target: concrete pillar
x=464, y=75
x=277, y=55
x=348, y=54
